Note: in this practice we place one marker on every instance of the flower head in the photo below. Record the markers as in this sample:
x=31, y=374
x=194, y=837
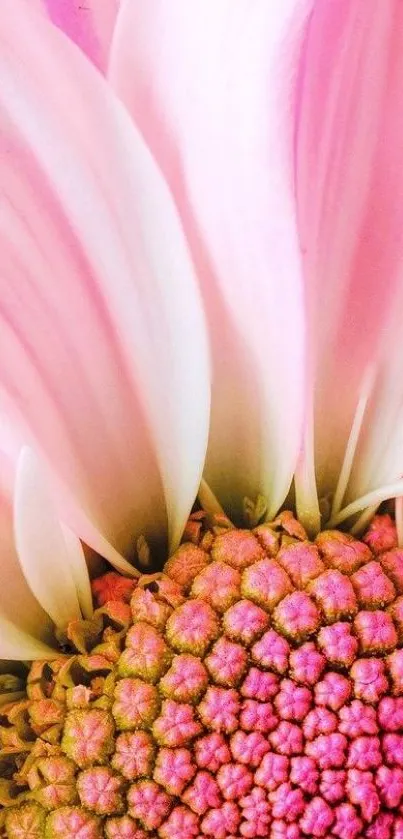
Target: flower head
x=176, y=229
x=176, y=717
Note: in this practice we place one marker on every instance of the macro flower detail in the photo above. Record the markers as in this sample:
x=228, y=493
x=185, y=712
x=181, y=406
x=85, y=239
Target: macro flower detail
x=201, y=248
x=181, y=720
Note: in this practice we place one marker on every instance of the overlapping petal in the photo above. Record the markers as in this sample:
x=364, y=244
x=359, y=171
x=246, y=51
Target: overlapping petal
x=44, y=577
x=25, y=630
x=210, y=85
x=43, y=552
x=102, y=334
x=89, y=23
x=349, y=180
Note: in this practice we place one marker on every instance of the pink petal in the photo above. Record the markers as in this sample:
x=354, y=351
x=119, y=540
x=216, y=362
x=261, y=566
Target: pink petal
x=209, y=85
x=103, y=348
x=42, y=549
x=89, y=23
x=17, y=645
x=350, y=200
x=22, y=621
x=79, y=571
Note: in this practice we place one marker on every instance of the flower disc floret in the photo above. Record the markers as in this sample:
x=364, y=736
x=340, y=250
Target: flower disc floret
x=252, y=689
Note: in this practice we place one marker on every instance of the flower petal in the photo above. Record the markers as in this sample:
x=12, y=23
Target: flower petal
x=41, y=546
x=100, y=319
x=350, y=198
x=79, y=571
x=89, y=23
x=17, y=645
x=18, y=607
x=208, y=84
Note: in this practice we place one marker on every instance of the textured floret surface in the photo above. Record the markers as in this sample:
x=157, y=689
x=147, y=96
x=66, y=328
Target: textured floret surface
x=252, y=689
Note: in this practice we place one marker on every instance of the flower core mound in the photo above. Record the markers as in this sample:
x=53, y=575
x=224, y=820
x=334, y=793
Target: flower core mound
x=252, y=689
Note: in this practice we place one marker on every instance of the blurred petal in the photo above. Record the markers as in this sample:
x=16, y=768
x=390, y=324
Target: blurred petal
x=102, y=339
x=5, y=698
x=41, y=546
x=350, y=199
x=18, y=607
x=79, y=572
x=15, y=644
x=87, y=22
x=209, y=85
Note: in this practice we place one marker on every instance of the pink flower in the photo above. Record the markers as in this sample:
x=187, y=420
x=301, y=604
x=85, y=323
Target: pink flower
x=89, y=23
x=230, y=190
x=92, y=244
x=278, y=127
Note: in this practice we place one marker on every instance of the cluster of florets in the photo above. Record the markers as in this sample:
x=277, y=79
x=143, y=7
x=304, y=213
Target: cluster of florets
x=252, y=689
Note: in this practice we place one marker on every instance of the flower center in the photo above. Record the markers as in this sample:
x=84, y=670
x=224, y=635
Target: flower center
x=252, y=689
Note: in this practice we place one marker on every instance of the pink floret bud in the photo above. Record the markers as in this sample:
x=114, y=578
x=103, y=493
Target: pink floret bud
x=328, y=750
x=361, y=791
x=219, y=584
x=266, y=583
x=245, y=621
x=370, y=682
x=392, y=564
x=112, y=586
x=297, y=616
x=390, y=785
x=212, y=751
x=347, y=824
x=395, y=667
x=318, y=818
x=249, y=748
x=364, y=753
x=219, y=709
x=390, y=713
x=381, y=828
x=292, y=701
x=239, y=548
x=226, y=663
x=306, y=664
x=381, y=534
x=372, y=586
x=357, y=719
x=192, y=627
x=176, y=724
x=333, y=691
x=287, y=803
x=148, y=803
x=273, y=771
x=392, y=745
x=335, y=595
x=333, y=785
x=281, y=830
x=287, y=739
x=338, y=644
x=234, y=780
x=302, y=563
x=257, y=716
x=375, y=631
x=272, y=651
x=203, y=794
x=256, y=811
x=174, y=769
x=319, y=721
x=260, y=685
x=180, y=824
x=100, y=790
x=305, y=774
x=221, y=821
